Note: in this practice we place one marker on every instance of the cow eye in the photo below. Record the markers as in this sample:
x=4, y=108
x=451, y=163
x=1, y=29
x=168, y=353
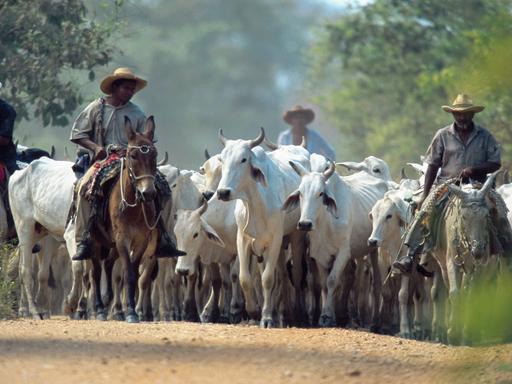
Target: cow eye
x=376, y=170
x=173, y=186
x=202, y=171
x=320, y=194
x=244, y=160
x=389, y=217
x=195, y=235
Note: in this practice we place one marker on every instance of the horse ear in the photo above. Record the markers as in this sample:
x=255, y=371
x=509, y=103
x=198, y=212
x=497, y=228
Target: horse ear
x=149, y=129
x=128, y=129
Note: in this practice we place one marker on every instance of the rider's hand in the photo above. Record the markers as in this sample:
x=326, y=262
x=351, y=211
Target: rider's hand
x=418, y=203
x=99, y=153
x=466, y=173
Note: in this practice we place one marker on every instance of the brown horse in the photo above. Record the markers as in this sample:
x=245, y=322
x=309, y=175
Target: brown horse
x=132, y=216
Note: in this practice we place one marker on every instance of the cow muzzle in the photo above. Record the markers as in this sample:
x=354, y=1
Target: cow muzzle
x=305, y=225
x=224, y=194
x=182, y=272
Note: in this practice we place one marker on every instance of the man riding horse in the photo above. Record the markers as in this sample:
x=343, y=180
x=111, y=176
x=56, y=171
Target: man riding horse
x=99, y=129
x=467, y=152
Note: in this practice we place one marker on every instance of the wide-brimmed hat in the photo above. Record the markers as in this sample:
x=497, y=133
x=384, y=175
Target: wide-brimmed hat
x=0, y=84
x=307, y=114
x=463, y=103
x=121, y=73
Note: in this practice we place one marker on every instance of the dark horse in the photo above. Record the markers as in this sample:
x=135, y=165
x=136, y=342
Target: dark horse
x=132, y=216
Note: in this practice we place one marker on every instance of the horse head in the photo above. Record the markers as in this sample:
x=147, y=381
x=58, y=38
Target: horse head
x=474, y=218
x=141, y=159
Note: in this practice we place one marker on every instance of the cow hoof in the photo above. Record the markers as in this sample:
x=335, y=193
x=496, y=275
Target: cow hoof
x=167, y=318
x=192, y=317
x=211, y=317
x=176, y=315
x=405, y=335
x=132, y=318
x=235, y=318
x=267, y=323
x=23, y=313
x=224, y=319
x=375, y=328
x=118, y=316
x=326, y=321
x=101, y=316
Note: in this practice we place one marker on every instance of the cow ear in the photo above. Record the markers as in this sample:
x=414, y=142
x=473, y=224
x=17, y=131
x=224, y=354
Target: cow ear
x=370, y=216
x=128, y=129
x=211, y=234
x=330, y=203
x=258, y=175
x=291, y=202
x=149, y=128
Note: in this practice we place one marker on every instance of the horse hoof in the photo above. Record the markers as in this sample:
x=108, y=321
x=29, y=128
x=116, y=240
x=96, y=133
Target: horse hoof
x=101, y=316
x=267, y=323
x=133, y=318
x=224, y=319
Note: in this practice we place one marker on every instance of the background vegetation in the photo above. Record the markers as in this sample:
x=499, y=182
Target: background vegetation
x=376, y=72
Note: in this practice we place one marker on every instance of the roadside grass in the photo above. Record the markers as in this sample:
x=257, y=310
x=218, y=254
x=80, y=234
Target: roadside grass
x=9, y=281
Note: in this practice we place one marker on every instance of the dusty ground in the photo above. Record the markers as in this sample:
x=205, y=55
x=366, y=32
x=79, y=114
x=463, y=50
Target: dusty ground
x=65, y=351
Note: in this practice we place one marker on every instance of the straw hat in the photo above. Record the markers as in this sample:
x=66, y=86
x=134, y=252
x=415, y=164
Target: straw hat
x=307, y=114
x=0, y=84
x=121, y=73
x=463, y=103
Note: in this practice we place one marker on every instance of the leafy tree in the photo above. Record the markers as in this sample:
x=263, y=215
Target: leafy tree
x=41, y=43
x=385, y=69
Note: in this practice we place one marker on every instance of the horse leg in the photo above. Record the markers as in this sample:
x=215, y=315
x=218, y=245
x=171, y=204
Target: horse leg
x=96, y=279
x=116, y=310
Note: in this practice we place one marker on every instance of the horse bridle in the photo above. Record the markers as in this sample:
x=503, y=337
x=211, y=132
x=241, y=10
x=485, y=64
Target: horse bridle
x=144, y=149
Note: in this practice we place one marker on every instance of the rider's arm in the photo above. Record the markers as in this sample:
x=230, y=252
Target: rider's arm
x=7, y=117
x=430, y=177
x=480, y=171
x=87, y=144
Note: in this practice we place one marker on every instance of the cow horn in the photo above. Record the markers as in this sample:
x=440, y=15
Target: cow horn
x=298, y=168
x=207, y=154
x=506, y=177
x=66, y=154
x=303, y=142
x=257, y=141
x=52, y=152
x=272, y=146
x=487, y=185
x=328, y=173
x=164, y=160
x=402, y=174
x=202, y=209
x=222, y=138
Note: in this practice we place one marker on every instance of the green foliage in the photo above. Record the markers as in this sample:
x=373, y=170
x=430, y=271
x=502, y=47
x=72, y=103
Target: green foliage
x=41, y=43
x=386, y=68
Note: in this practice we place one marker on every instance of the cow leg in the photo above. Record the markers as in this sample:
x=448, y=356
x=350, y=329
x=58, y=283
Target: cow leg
x=244, y=255
x=227, y=292
x=314, y=291
x=26, y=238
x=211, y=312
x=160, y=288
x=237, y=304
x=454, y=278
x=348, y=277
x=297, y=242
x=190, y=304
x=268, y=282
x=48, y=249
x=376, y=289
x=175, y=298
x=328, y=316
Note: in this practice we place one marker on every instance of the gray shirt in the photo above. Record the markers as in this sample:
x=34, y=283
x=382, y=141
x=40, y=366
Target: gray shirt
x=85, y=125
x=314, y=143
x=449, y=152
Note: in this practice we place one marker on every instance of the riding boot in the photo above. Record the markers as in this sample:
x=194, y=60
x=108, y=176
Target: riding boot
x=84, y=248
x=404, y=264
x=166, y=247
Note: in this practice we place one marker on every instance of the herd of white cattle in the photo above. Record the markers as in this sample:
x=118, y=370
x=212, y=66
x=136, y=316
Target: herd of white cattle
x=283, y=239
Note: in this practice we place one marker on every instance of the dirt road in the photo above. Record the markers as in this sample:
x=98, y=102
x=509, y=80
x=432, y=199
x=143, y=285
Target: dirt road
x=64, y=351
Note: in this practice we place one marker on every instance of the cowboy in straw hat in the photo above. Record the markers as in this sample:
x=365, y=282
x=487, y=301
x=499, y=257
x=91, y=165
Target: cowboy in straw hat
x=462, y=150
x=99, y=125
x=299, y=117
